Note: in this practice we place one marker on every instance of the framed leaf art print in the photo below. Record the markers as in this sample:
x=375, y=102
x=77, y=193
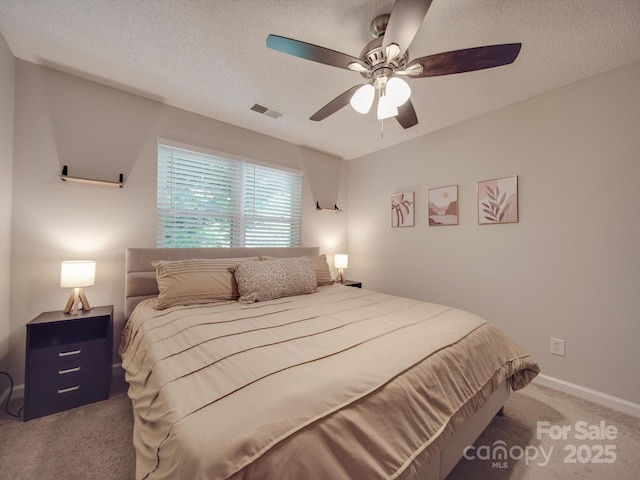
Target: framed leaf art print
x=498, y=201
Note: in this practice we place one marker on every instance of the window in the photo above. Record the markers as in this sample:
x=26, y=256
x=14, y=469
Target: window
x=205, y=200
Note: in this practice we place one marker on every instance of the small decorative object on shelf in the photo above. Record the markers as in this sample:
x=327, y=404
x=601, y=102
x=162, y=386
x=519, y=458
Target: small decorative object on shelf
x=68, y=360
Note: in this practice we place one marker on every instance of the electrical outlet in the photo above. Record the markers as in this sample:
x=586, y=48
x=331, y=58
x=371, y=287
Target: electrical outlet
x=557, y=346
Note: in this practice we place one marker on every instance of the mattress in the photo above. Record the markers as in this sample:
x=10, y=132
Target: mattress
x=343, y=383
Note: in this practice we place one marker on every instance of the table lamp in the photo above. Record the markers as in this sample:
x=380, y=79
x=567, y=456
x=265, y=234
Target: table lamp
x=77, y=274
x=341, y=261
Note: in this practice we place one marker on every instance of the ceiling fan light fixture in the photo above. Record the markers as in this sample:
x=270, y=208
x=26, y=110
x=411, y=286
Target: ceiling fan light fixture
x=386, y=57
x=398, y=91
x=392, y=51
x=357, y=67
x=386, y=107
x=362, y=99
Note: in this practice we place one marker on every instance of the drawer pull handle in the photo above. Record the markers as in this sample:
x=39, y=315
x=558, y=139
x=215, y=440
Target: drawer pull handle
x=72, y=352
x=67, y=390
x=69, y=370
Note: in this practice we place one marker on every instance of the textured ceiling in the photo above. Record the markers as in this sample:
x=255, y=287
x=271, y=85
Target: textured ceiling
x=210, y=57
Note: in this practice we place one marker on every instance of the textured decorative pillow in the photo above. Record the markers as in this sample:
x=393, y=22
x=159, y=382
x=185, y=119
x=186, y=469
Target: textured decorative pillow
x=282, y=277
x=186, y=282
x=320, y=265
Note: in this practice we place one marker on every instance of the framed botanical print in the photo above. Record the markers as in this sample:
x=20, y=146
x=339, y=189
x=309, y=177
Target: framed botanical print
x=498, y=201
x=403, y=209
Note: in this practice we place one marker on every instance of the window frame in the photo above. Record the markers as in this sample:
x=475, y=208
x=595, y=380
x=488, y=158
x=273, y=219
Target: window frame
x=244, y=228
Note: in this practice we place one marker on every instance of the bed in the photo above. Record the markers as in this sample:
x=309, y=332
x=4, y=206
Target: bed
x=312, y=380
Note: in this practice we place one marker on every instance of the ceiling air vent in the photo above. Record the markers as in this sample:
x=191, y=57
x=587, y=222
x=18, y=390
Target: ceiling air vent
x=265, y=111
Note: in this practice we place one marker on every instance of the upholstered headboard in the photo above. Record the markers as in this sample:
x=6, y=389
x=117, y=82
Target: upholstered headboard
x=140, y=280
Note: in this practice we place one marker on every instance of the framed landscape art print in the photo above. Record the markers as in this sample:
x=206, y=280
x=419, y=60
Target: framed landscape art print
x=498, y=201
x=443, y=206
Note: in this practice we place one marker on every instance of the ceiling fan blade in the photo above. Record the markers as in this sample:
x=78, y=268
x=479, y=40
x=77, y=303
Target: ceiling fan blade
x=466, y=60
x=334, y=105
x=404, y=22
x=312, y=52
x=407, y=115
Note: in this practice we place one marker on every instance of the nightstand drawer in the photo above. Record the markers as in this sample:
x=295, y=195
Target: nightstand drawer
x=67, y=391
x=63, y=353
x=67, y=369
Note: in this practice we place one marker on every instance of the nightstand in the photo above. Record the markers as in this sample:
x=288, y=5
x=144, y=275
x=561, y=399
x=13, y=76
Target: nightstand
x=352, y=283
x=68, y=360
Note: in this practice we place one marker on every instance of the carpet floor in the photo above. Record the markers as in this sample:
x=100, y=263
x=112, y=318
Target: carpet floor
x=95, y=442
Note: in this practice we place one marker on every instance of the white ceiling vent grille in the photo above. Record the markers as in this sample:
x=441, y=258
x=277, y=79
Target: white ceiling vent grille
x=265, y=111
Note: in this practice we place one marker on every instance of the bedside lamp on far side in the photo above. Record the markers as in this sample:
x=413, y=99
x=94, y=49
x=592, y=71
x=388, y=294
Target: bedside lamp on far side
x=77, y=274
x=341, y=261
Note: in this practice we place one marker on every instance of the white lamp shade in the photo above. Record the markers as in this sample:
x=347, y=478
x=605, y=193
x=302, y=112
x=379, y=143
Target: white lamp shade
x=77, y=273
x=362, y=100
x=386, y=108
x=398, y=91
x=341, y=260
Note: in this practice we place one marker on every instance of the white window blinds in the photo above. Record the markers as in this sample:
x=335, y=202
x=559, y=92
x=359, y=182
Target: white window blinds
x=205, y=200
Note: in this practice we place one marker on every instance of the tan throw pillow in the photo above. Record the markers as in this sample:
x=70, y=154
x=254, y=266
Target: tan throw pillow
x=320, y=265
x=282, y=277
x=192, y=281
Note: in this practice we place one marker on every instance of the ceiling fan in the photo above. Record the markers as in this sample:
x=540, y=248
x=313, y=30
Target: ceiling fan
x=385, y=59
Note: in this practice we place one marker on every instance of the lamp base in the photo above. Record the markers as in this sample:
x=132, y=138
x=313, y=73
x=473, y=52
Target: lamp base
x=340, y=277
x=77, y=295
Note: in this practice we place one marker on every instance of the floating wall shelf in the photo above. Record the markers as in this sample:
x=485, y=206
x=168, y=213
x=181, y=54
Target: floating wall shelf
x=105, y=183
x=334, y=209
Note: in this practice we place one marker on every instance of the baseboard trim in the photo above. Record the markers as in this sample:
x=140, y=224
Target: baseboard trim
x=18, y=392
x=604, y=399
x=118, y=371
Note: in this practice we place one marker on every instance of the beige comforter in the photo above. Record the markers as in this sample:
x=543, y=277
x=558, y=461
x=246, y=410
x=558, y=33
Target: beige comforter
x=342, y=383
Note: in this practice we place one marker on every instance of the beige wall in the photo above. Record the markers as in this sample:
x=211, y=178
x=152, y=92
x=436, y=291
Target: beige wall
x=569, y=269
x=99, y=132
x=6, y=164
